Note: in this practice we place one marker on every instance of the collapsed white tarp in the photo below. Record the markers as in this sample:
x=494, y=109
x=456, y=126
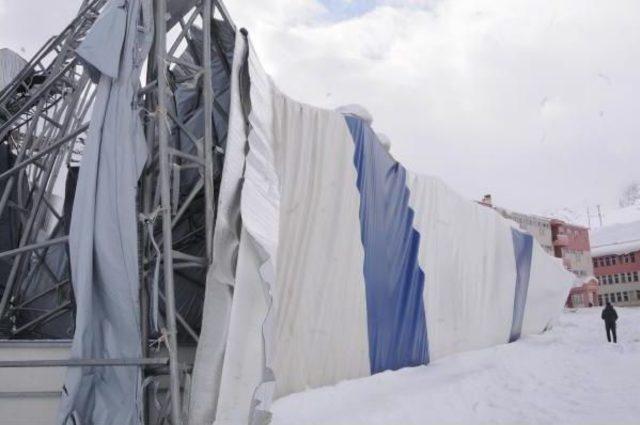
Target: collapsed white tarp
x=348, y=264
x=221, y=274
x=11, y=64
x=103, y=235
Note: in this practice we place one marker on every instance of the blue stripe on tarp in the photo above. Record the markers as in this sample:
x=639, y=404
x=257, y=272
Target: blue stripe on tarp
x=522, y=247
x=393, y=279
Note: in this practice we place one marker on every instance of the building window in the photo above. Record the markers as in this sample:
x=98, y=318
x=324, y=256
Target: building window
x=625, y=296
x=614, y=260
x=623, y=278
x=632, y=257
x=606, y=298
x=638, y=295
x=599, y=299
x=619, y=296
x=629, y=277
x=616, y=278
x=635, y=276
x=607, y=261
x=577, y=300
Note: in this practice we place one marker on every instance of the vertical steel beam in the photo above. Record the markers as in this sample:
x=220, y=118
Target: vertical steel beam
x=146, y=203
x=165, y=195
x=207, y=15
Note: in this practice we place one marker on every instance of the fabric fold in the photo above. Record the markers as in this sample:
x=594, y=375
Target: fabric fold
x=103, y=233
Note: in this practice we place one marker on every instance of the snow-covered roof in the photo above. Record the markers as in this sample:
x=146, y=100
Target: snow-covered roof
x=616, y=249
x=610, y=215
x=615, y=239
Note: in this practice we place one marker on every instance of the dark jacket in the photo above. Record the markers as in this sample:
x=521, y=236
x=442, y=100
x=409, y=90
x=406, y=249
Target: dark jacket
x=609, y=314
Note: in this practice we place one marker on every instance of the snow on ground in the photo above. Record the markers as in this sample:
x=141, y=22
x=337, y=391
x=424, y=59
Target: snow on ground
x=568, y=375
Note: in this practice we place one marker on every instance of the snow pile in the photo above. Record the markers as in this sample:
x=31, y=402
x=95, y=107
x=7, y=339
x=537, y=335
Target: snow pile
x=616, y=239
x=568, y=375
x=356, y=111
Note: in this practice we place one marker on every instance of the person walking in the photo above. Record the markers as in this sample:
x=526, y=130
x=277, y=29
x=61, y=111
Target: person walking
x=610, y=316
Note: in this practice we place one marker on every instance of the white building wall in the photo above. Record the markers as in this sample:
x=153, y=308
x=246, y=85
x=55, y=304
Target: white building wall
x=29, y=396
x=621, y=294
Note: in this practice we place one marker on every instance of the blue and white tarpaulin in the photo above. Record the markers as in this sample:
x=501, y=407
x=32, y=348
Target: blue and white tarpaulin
x=348, y=264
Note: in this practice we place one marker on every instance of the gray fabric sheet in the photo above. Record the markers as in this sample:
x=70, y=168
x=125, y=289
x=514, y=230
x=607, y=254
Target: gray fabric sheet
x=9, y=228
x=103, y=237
x=188, y=100
x=188, y=106
x=9, y=220
x=43, y=274
x=221, y=275
x=176, y=9
x=11, y=64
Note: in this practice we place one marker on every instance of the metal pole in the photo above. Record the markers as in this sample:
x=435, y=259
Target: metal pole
x=599, y=215
x=146, y=200
x=44, y=318
x=55, y=145
x=27, y=248
x=152, y=361
x=208, y=128
x=165, y=195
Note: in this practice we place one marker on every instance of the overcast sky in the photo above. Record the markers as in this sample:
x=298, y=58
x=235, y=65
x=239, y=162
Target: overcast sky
x=536, y=102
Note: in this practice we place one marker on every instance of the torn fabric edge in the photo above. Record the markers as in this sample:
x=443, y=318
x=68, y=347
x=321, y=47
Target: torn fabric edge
x=247, y=381
x=222, y=272
x=262, y=222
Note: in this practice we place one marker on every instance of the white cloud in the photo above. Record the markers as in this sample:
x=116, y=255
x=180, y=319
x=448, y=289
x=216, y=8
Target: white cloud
x=533, y=101
x=26, y=25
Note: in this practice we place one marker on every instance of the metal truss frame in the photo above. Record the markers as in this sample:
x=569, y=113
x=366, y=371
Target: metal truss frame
x=43, y=119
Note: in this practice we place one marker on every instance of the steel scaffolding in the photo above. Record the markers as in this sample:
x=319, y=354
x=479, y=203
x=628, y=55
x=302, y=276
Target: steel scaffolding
x=44, y=116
